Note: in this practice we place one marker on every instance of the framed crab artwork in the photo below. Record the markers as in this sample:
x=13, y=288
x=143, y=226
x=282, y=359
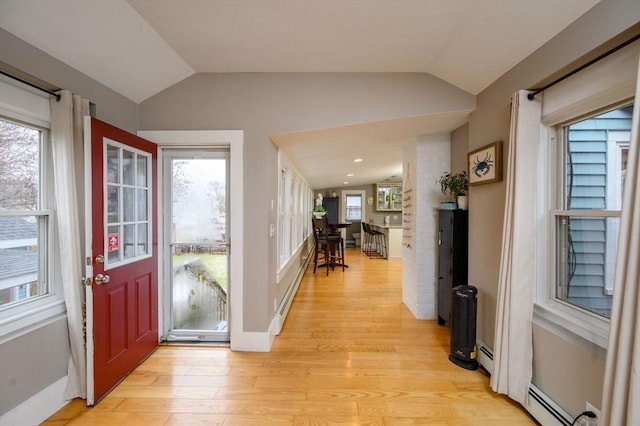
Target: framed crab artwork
x=485, y=164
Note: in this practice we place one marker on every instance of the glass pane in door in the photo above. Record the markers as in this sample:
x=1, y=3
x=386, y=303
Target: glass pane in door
x=199, y=261
x=126, y=204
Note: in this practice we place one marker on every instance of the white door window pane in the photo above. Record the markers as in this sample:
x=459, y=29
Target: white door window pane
x=128, y=204
x=128, y=168
x=142, y=239
x=143, y=211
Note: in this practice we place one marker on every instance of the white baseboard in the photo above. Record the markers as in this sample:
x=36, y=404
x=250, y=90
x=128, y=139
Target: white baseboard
x=539, y=405
x=39, y=407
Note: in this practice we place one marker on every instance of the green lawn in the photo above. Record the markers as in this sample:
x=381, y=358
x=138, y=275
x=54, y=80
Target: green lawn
x=215, y=264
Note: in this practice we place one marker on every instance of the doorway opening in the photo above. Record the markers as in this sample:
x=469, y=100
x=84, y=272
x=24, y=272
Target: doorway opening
x=196, y=229
x=354, y=212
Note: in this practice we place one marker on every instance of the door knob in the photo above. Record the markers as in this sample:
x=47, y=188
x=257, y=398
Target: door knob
x=101, y=279
x=99, y=258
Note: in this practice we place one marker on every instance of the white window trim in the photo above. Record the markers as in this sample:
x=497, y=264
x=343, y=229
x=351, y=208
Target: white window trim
x=616, y=142
x=609, y=82
x=363, y=196
x=25, y=104
x=570, y=322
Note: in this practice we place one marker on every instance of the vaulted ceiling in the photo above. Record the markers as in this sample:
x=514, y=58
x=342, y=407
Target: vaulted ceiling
x=469, y=43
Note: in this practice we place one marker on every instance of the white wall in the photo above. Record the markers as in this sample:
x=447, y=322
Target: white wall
x=424, y=163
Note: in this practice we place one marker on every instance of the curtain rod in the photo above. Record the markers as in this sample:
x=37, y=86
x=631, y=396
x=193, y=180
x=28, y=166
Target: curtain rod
x=42, y=89
x=534, y=92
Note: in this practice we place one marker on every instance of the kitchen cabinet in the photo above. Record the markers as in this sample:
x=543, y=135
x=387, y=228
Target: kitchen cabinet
x=453, y=257
x=332, y=206
x=388, y=197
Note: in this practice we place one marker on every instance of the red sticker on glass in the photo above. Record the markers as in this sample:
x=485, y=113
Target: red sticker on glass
x=113, y=241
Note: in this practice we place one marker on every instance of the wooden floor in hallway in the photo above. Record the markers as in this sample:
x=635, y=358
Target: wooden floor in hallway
x=350, y=353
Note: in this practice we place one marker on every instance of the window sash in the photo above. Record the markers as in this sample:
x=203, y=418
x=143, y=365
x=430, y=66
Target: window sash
x=353, y=211
x=27, y=285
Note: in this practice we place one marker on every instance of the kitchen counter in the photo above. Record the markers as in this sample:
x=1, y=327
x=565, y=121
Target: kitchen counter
x=393, y=236
x=381, y=226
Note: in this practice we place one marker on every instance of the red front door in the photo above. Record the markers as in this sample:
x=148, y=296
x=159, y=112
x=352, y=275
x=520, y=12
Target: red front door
x=122, y=300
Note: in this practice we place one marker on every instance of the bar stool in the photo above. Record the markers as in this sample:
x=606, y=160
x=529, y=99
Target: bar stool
x=381, y=243
x=366, y=239
x=328, y=248
x=377, y=240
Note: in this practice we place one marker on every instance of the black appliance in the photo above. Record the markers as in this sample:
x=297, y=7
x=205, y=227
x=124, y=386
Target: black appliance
x=464, y=305
x=452, y=258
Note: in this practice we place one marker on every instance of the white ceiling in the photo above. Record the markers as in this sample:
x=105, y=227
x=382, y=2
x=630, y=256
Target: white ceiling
x=469, y=43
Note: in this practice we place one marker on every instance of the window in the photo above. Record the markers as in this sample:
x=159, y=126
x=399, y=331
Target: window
x=24, y=218
x=587, y=222
x=294, y=211
x=127, y=200
x=585, y=122
x=30, y=284
x=353, y=207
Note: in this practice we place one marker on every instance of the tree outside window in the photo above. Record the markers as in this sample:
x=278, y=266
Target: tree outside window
x=23, y=223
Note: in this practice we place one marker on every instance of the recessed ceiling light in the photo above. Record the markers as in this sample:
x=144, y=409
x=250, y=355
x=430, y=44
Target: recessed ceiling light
x=345, y=183
x=357, y=160
x=349, y=174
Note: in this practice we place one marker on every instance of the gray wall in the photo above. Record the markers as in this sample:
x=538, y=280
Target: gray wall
x=31, y=362
x=571, y=374
x=459, y=148
x=111, y=107
x=265, y=104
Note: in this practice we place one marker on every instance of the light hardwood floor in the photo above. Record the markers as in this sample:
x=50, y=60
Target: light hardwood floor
x=349, y=353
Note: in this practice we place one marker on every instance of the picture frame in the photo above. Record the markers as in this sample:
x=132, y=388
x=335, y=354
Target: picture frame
x=485, y=164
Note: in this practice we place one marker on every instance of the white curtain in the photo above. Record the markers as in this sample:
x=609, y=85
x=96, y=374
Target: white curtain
x=513, y=352
x=621, y=394
x=66, y=135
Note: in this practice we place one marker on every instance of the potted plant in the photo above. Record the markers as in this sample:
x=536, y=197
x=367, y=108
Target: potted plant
x=319, y=210
x=455, y=186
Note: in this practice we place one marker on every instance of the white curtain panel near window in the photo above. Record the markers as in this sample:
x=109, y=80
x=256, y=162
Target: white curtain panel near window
x=513, y=362
x=66, y=133
x=622, y=373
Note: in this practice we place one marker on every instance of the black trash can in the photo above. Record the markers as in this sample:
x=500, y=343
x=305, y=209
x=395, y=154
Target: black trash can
x=464, y=303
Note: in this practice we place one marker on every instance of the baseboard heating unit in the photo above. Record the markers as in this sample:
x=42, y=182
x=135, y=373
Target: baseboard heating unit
x=539, y=405
x=283, y=309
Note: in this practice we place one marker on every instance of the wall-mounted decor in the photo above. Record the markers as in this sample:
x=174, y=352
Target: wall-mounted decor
x=485, y=164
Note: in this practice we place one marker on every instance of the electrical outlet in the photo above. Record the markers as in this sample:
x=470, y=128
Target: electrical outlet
x=591, y=407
